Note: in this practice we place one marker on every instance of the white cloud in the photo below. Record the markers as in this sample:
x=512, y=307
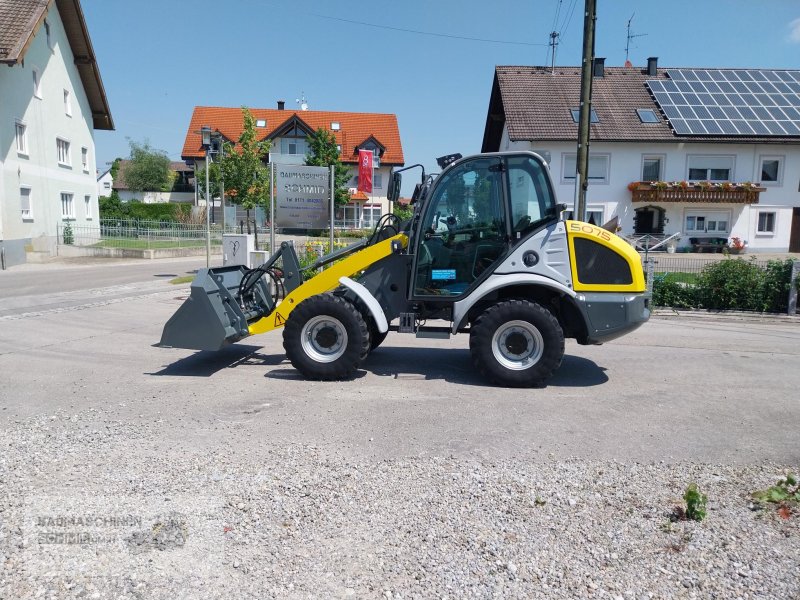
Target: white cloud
x=794, y=31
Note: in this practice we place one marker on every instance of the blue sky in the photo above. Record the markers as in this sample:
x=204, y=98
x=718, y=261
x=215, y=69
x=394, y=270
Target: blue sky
x=160, y=58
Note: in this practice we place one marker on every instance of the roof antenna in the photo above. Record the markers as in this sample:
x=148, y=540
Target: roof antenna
x=628, y=41
x=554, y=35
x=302, y=101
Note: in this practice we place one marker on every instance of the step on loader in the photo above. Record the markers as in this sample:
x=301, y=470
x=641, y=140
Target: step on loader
x=486, y=252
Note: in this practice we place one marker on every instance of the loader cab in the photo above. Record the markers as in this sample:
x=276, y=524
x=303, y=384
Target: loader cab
x=476, y=211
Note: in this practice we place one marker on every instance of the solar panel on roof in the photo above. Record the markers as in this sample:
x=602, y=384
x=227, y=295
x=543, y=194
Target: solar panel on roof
x=730, y=101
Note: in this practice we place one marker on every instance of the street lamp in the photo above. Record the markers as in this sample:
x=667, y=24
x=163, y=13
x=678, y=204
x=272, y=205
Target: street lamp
x=205, y=132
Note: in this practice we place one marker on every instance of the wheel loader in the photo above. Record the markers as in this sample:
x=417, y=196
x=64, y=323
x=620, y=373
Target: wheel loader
x=486, y=253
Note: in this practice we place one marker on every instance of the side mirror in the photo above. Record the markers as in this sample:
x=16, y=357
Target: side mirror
x=395, y=181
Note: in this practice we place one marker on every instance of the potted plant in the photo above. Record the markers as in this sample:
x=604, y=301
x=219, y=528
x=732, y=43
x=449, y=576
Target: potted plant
x=736, y=245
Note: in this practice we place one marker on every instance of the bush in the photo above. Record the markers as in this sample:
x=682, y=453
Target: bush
x=730, y=284
x=112, y=208
x=668, y=291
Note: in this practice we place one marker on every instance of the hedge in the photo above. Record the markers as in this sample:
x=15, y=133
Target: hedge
x=730, y=284
x=112, y=208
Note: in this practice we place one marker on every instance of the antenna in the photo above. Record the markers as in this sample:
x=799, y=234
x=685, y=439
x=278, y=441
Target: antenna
x=630, y=37
x=554, y=35
x=302, y=101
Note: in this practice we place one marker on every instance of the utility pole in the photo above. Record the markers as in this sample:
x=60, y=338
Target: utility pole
x=553, y=45
x=582, y=163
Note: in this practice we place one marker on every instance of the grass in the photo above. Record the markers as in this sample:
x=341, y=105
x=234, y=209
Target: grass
x=680, y=277
x=139, y=244
x=184, y=279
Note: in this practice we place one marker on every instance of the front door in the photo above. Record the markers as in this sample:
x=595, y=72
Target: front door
x=794, y=237
x=463, y=230
x=477, y=211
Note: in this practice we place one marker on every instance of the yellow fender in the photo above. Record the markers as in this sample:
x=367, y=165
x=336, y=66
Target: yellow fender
x=326, y=281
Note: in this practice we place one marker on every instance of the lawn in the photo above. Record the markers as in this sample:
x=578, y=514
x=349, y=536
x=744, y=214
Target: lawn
x=140, y=244
x=689, y=278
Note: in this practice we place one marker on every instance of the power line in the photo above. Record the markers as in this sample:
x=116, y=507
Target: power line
x=420, y=32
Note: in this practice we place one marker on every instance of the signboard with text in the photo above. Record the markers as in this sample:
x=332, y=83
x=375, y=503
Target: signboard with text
x=303, y=196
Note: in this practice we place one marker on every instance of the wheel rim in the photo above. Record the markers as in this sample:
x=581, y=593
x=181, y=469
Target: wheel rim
x=324, y=338
x=517, y=345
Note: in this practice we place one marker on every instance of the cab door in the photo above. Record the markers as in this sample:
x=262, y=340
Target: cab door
x=464, y=229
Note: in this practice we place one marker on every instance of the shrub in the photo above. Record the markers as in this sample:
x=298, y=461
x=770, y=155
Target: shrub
x=668, y=291
x=731, y=285
x=112, y=208
x=777, y=280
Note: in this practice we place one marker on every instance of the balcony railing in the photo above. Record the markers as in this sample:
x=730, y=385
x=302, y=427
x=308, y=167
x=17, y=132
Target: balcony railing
x=727, y=193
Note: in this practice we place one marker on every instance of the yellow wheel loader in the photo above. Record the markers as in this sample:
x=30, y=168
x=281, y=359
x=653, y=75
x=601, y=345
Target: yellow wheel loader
x=486, y=253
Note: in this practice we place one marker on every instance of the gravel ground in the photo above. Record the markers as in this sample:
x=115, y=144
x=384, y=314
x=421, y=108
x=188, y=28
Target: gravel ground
x=299, y=522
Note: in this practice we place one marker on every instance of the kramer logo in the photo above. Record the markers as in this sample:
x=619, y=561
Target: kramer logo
x=587, y=229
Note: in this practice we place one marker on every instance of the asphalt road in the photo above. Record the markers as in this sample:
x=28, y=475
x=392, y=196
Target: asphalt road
x=79, y=338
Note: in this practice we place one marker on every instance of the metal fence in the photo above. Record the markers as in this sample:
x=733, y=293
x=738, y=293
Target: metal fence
x=134, y=234
x=694, y=264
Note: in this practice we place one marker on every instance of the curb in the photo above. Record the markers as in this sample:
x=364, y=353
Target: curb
x=728, y=315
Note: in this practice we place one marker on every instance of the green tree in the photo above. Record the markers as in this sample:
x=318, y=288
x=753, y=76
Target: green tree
x=324, y=153
x=214, y=180
x=243, y=171
x=148, y=169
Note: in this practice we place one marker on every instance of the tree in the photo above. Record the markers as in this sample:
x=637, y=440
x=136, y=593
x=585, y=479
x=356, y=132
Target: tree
x=243, y=171
x=148, y=169
x=214, y=180
x=324, y=153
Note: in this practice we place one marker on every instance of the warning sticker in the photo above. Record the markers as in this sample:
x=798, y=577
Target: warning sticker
x=279, y=320
x=443, y=274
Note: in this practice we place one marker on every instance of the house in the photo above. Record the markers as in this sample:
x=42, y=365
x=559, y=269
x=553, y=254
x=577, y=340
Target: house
x=52, y=100
x=104, y=182
x=287, y=130
x=667, y=146
x=181, y=189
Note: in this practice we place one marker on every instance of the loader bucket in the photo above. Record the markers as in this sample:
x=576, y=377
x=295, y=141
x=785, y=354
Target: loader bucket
x=211, y=317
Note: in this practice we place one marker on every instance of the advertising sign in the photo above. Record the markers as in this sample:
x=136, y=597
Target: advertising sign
x=365, y=171
x=303, y=196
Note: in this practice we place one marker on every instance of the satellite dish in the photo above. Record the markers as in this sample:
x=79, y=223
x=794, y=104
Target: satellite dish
x=302, y=101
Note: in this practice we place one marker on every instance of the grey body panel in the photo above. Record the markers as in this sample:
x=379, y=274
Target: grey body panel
x=387, y=281
x=496, y=282
x=550, y=244
x=609, y=315
x=552, y=270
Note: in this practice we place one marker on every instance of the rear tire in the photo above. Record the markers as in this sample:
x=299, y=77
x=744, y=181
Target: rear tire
x=516, y=343
x=326, y=338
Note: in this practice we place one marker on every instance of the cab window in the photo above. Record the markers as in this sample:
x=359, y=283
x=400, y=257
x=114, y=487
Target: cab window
x=532, y=201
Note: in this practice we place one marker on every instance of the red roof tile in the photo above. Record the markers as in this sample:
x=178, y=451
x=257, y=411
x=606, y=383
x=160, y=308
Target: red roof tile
x=535, y=103
x=354, y=129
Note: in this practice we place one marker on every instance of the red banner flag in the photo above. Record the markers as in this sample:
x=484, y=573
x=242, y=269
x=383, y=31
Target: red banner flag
x=365, y=171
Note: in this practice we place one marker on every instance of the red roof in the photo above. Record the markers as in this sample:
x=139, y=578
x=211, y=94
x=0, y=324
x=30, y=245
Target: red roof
x=359, y=196
x=354, y=128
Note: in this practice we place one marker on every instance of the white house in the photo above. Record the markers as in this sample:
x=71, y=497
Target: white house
x=666, y=147
x=287, y=131
x=52, y=100
x=105, y=181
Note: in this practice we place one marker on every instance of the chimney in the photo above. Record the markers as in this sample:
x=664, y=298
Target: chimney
x=281, y=104
x=652, y=66
x=598, y=67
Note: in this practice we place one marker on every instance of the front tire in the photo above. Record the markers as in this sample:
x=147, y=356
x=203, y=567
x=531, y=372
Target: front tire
x=326, y=338
x=516, y=343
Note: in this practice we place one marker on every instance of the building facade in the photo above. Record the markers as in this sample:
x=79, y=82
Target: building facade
x=181, y=189
x=53, y=99
x=287, y=132
x=653, y=171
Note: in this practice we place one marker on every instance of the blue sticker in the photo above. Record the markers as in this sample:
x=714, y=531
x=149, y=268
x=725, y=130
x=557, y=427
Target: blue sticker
x=443, y=274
